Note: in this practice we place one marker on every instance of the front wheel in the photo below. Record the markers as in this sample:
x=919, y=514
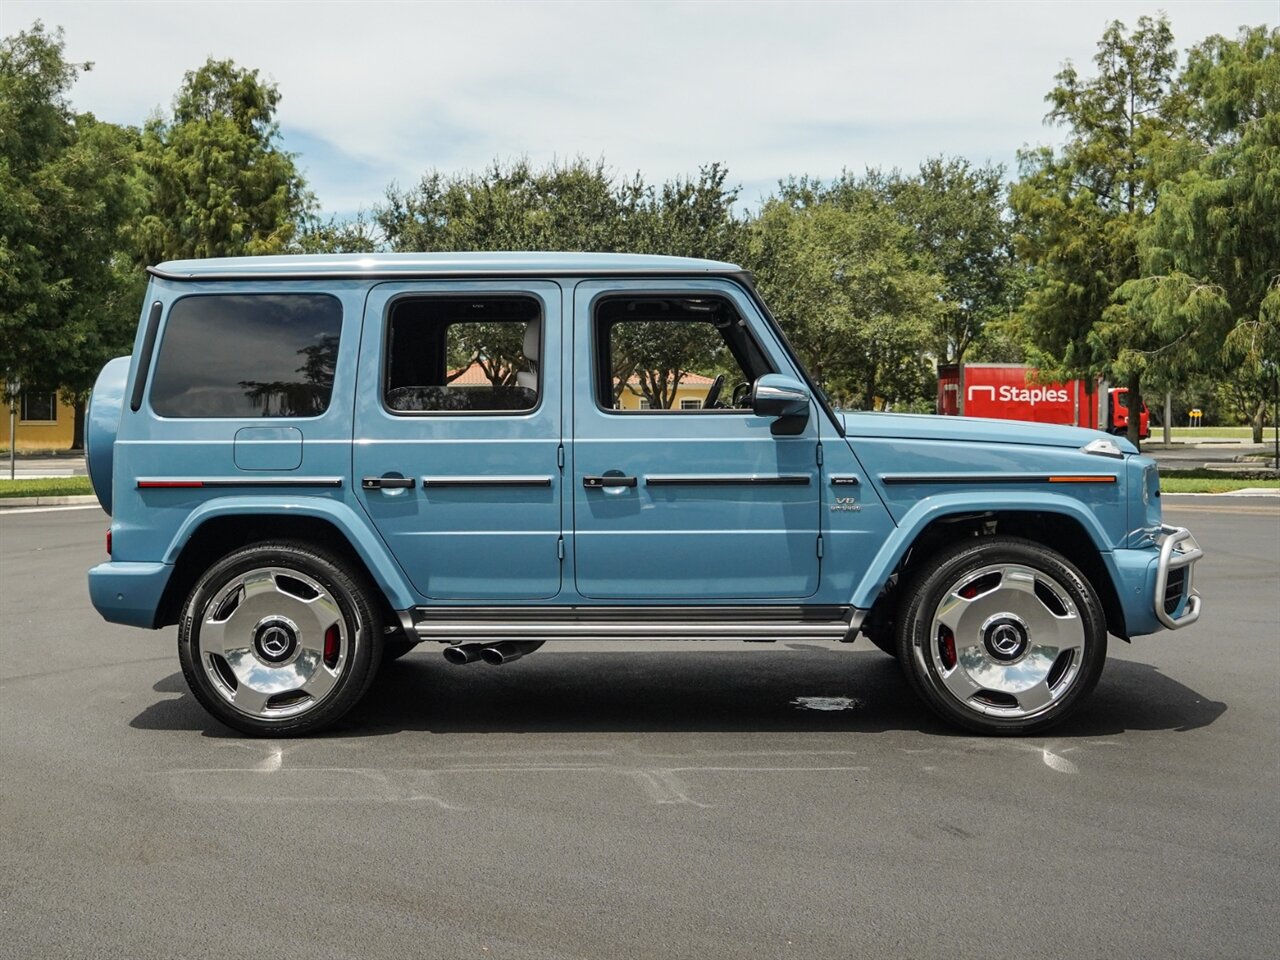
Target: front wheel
x=279, y=639
x=1002, y=636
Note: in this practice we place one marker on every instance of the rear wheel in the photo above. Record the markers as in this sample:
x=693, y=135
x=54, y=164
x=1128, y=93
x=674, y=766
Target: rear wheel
x=279, y=639
x=1002, y=636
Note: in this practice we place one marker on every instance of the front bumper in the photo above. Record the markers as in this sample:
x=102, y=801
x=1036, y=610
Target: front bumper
x=1176, y=602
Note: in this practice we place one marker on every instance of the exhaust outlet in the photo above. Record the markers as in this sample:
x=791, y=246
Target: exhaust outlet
x=463, y=653
x=508, y=650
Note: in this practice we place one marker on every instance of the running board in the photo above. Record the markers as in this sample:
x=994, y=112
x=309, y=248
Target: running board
x=490, y=624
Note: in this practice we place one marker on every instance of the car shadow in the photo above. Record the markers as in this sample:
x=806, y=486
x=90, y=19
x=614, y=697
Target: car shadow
x=806, y=688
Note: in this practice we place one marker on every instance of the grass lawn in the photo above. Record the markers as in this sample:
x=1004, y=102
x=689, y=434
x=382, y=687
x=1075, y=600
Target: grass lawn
x=45, y=487
x=1212, y=484
x=1209, y=433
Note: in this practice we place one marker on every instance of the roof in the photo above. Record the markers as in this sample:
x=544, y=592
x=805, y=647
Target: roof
x=686, y=379
x=361, y=265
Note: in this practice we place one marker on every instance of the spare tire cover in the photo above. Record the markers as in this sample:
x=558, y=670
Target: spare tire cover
x=102, y=422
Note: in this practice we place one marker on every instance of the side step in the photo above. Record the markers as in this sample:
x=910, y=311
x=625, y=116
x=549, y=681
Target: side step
x=490, y=624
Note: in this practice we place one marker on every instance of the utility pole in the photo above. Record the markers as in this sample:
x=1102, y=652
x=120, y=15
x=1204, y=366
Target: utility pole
x=12, y=389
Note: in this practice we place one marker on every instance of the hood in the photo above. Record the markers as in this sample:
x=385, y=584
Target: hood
x=911, y=426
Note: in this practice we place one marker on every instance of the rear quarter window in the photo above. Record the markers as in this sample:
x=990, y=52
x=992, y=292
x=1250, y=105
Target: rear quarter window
x=247, y=356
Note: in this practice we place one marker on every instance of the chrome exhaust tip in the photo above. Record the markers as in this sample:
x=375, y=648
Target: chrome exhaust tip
x=508, y=650
x=463, y=653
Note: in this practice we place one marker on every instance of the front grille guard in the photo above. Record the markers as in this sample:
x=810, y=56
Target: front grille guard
x=1178, y=549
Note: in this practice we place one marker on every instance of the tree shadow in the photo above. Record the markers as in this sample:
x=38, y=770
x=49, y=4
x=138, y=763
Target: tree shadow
x=684, y=691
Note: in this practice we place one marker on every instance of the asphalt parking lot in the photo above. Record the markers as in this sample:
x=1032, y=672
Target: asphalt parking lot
x=654, y=800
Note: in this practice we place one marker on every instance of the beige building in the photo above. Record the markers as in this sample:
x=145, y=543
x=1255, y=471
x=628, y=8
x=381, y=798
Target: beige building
x=690, y=393
x=45, y=422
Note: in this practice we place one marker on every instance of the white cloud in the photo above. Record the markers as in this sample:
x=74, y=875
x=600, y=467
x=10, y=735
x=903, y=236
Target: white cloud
x=769, y=88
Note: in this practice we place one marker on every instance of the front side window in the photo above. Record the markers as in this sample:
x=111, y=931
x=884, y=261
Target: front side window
x=463, y=355
x=678, y=354
x=230, y=355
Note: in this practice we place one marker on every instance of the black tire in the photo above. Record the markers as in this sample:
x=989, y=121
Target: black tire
x=1014, y=604
x=269, y=599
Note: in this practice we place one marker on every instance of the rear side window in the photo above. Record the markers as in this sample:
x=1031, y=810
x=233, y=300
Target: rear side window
x=463, y=355
x=248, y=356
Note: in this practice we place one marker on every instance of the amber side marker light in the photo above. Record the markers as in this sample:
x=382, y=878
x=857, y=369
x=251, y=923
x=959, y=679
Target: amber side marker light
x=1102, y=479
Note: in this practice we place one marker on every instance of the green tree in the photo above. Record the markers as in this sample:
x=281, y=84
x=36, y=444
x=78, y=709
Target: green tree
x=956, y=214
x=1079, y=210
x=573, y=206
x=67, y=300
x=218, y=182
x=848, y=286
x=1211, y=252
x=359, y=234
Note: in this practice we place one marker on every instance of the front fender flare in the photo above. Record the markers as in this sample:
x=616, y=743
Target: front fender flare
x=951, y=504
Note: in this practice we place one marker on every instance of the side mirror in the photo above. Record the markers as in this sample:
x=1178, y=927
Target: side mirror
x=777, y=395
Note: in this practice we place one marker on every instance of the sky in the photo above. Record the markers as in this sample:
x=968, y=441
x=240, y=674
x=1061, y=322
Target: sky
x=379, y=92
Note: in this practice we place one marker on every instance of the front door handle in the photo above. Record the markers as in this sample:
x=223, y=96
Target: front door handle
x=386, y=483
x=595, y=483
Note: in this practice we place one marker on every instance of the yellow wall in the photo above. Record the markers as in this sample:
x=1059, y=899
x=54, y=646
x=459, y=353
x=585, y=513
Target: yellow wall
x=33, y=436
x=631, y=397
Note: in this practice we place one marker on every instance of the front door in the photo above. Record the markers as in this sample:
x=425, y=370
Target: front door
x=679, y=491
x=458, y=433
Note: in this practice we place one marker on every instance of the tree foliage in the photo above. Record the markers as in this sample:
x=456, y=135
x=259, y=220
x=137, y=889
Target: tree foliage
x=67, y=301
x=217, y=180
x=1079, y=209
x=570, y=206
x=844, y=277
x=1210, y=253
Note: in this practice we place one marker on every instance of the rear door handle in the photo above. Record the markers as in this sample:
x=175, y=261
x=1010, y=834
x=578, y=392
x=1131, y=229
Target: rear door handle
x=595, y=483
x=386, y=483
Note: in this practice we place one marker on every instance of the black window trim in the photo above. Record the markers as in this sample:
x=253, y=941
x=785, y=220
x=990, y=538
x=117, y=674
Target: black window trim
x=163, y=330
x=384, y=359
x=22, y=406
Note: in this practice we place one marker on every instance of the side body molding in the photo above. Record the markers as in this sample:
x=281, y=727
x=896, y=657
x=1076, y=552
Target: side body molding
x=386, y=574
x=951, y=504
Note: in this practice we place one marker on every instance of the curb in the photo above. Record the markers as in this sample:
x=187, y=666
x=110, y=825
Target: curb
x=1246, y=492
x=10, y=502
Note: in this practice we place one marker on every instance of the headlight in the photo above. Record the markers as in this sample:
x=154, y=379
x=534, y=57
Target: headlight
x=1103, y=447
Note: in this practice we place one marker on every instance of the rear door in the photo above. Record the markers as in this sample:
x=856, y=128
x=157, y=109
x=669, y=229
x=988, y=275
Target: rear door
x=679, y=491
x=458, y=435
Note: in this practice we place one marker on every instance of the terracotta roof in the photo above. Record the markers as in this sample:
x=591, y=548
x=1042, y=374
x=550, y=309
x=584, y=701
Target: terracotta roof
x=473, y=376
x=688, y=380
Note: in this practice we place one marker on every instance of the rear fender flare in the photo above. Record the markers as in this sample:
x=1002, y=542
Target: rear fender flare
x=371, y=551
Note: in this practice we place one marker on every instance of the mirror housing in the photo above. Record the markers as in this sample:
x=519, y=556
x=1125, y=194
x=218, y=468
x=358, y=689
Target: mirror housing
x=777, y=395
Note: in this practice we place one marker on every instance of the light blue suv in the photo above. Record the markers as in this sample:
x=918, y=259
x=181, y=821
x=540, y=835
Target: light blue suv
x=313, y=464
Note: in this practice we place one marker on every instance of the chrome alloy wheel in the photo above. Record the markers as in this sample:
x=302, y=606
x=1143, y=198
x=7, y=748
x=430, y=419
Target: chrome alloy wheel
x=273, y=643
x=1007, y=641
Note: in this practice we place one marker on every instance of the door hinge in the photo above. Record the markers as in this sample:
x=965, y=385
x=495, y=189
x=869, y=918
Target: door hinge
x=560, y=456
x=819, y=547
x=819, y=454
x=560, y=548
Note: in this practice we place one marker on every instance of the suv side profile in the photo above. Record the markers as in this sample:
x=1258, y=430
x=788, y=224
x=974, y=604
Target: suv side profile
x=313, y=464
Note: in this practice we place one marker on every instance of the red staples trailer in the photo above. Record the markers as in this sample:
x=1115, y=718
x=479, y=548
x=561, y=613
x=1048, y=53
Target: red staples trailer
x=1003, y=391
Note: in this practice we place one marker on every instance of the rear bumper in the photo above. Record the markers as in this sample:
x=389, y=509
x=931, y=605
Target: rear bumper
x=128, y=593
